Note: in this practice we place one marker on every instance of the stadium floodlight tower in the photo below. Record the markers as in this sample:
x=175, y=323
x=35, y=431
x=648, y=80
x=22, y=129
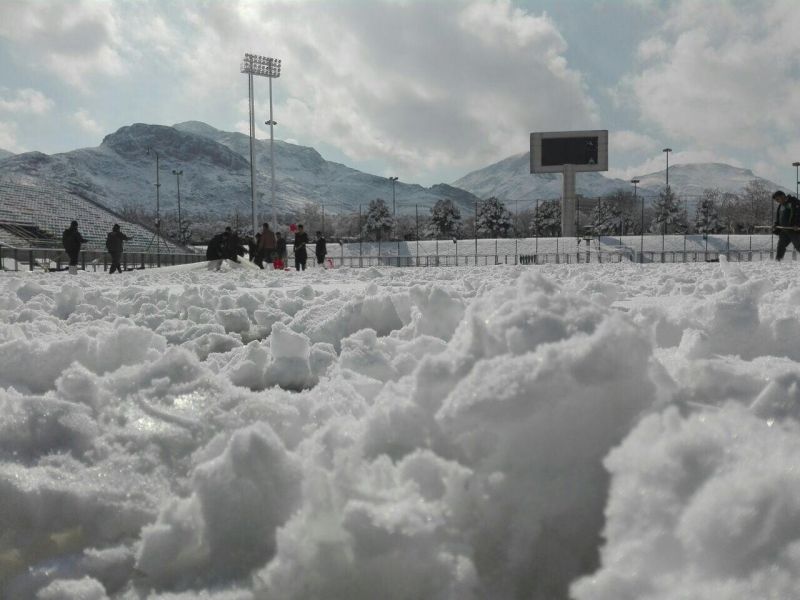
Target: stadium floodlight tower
x=178, y=174
x=158, y=205
x=569, y=152
x=796, y=166
x=262, y=66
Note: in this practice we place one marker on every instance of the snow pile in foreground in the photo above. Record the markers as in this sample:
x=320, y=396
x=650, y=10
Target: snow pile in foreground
x=603, y=431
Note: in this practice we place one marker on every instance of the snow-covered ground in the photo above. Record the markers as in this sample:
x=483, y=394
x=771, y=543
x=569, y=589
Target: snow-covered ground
x=613, y=432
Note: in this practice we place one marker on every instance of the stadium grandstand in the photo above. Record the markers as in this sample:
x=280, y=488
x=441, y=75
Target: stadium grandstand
x=33, y=215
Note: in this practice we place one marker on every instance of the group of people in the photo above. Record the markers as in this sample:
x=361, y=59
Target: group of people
x=271, y=247
x=267, y=247
x=72, y=241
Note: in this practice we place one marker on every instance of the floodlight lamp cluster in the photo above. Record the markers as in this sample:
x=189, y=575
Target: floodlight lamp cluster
x=262, y=66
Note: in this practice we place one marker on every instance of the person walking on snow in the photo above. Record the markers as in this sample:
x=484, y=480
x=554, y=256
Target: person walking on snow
x=72, y=240
x=787, y=223
x=320, y=249
x=300, y=252
x=114, y=243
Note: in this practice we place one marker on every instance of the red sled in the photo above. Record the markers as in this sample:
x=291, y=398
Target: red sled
x=277, y=264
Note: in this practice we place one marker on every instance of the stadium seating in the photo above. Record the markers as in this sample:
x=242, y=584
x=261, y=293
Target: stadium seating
x=35, y=215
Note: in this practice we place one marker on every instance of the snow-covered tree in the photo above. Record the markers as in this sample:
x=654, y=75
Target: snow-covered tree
x=445, y=218
x=757, y=198
x=605, y=218
x=547, y=218
x=170, y=227
x=493, y=218
x=625, y=213
x=669, y=215
x=731, y=207
x=706, y=218
x=378, y=221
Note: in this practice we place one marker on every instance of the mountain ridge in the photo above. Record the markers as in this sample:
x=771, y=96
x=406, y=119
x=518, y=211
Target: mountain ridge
x=510, y=180
x=120, y=174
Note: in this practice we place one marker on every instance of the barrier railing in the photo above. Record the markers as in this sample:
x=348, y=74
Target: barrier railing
x=53, y=259
x=630, y=256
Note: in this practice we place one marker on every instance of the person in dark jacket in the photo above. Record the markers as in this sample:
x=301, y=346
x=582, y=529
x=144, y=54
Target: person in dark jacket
x=787, y=223
x=280, y=246
x=300, y=252
x=279, y=262
x=72, y=240
x=320, y=249
x=233, y=247
x=114, y=245
x=217, y=247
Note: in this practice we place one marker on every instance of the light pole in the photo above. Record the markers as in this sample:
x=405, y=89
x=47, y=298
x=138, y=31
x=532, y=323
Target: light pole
x=416, y=229
x=667, y=151
x=158, y=206
x=262, y=66
x=180, y=228
x=394, y=218
x=516, y=235
x=664, y=221
x=393, y=180
x=635, y=183
x=796, y=166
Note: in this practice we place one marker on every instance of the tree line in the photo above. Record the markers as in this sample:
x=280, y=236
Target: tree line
x=619, y=213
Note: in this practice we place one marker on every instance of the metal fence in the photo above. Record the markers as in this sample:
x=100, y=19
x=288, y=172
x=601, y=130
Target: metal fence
x=671, y=256
x=53, y=259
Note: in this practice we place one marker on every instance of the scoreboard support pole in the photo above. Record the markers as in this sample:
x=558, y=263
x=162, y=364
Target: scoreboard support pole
x=568, y=203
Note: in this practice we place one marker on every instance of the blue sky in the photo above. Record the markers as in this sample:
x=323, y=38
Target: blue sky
x=427, y=91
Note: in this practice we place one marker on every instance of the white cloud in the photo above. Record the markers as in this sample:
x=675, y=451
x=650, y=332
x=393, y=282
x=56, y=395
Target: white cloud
x=419, y=86
x=652, y=48
x=723, y=75
x=85, y=121
x=72, y=41
x=25, y=101
x=630, y=141
x=8, y=137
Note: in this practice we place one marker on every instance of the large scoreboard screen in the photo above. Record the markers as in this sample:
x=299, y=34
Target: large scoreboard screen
x=569, y=151
x=584, y=150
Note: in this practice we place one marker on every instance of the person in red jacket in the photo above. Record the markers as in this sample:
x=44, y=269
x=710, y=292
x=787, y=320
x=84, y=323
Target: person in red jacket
x=266, y=246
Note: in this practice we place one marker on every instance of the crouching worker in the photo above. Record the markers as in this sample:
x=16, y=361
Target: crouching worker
x=217, y=249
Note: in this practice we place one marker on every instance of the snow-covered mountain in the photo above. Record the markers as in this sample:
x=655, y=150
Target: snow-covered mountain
x=216, y=174
x=5, y=154
x=511, y=180
x=120, y=173
x=692, y=179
